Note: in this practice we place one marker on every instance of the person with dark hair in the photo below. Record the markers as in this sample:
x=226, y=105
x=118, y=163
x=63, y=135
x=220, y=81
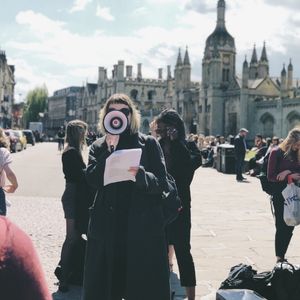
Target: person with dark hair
x=171, y=132
x=5, y=172
x=21, y=274
x=75, y=199
x=284, y=161
x=126, y=255
x=61, y=138
x=240, y=149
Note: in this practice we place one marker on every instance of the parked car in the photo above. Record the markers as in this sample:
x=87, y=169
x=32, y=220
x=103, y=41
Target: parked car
x=15, y=144
x=29, y=136
x=22, y=138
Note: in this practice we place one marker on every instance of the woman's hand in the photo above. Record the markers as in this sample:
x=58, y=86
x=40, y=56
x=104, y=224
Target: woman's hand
x=133, y=170
x=112, y=141
x=282, y=175
x=295, y=176
x=10, y=188
x=153, y=127
x=172, y=133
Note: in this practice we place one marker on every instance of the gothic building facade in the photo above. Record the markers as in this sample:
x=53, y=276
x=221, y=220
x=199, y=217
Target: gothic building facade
x=262, y=104
x=7, y=87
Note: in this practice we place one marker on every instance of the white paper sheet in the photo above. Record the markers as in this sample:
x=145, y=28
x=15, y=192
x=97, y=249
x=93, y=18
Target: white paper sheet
x=118, y=163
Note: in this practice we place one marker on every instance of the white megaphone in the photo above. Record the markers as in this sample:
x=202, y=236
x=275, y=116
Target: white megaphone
x=115, y=122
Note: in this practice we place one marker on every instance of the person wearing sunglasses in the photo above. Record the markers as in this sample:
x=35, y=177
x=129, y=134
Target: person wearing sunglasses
x=126, y=255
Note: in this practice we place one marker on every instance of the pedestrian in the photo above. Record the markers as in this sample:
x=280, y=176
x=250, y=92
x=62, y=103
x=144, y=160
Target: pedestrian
x=126, y=249
x=61, y=138
x=21, y=274
x=75, y=199
x=284, y=161
x=5, y=172
x=170, y=129
x=240, y=149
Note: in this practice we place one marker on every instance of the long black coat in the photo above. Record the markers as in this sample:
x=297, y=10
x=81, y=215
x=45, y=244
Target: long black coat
x=147, y=262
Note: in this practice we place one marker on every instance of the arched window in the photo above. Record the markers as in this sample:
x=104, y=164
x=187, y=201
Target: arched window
x=145, y=127
x=267, y=121
x=293, y=119
x=151, y=94
x=134, y=94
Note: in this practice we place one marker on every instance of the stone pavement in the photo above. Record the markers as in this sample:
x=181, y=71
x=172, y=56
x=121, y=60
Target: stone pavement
x=231, y=222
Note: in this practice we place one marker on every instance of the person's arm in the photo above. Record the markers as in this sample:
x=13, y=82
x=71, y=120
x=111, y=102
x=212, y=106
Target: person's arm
x=12, y=179
x=153, y=182
x=73, y=166
x=273, y=164
x=96, y=164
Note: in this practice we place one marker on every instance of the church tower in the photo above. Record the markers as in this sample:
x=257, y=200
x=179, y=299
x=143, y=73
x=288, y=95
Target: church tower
x=186, y=71
x=263, y=65
x=290, y=79
x=178, y=72
x=253, y=71
x=218, y=74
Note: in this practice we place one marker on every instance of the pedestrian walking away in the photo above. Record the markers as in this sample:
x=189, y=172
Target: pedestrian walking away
x=240, y=149
x=61, y=138
x=126, y=249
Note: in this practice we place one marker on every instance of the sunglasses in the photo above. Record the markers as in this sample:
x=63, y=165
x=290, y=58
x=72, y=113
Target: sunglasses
x=126, y=111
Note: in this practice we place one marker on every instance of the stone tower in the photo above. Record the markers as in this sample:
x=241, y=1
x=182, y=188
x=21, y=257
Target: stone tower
x=218, y=73
x=253, y=70
x=263, y=65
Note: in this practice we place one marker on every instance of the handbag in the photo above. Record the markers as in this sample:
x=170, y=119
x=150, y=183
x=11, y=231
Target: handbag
x=291, y=211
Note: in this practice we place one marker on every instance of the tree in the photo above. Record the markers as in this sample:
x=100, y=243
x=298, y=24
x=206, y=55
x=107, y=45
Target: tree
x=36, y=103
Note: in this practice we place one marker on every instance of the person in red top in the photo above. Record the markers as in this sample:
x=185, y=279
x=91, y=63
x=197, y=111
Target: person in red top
x=284, y=160
x=21, y=274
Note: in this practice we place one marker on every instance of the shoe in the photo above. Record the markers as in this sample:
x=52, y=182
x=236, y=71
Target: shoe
x=243, y=178
x=282, y=260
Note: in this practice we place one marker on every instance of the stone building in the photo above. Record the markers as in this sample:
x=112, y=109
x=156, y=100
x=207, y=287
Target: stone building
x=151, y=96
x=62, y=108
x=7, y=86
x=262, y=104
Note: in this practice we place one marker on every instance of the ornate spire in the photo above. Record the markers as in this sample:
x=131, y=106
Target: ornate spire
x=179, y=60
x=283, y=72
x=290, y=66
x=186, y=60
x=221, y=14
x=264, y=54
x=245, y=64
x=254, y=56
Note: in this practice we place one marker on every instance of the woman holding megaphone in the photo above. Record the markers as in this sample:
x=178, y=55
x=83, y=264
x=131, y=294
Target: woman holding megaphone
x=126, y=256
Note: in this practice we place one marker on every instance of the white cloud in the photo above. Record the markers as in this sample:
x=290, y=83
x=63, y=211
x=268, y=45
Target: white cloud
x=104, y=13
x=79, y=5
x=140, y=11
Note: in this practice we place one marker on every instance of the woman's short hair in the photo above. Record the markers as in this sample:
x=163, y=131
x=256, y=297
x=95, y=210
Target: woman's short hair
x=4, y=140
x=170, y=117
x=121, y=99
x=75, y=134
x=287, y=145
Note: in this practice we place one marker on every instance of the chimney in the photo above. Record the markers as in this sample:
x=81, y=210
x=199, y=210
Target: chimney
x=169, y=72
x=160, y=71
x=128, y=71
x=139, y=74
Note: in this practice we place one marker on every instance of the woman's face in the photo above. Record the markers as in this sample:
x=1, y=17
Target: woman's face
x=121, y=107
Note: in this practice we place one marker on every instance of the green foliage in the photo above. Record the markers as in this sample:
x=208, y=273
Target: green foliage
x=36, y=103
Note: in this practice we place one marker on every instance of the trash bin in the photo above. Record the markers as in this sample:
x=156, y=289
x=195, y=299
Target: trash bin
x=219, y=159
x=227, y=159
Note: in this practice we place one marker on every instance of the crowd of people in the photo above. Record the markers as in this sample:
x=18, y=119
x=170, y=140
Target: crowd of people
x=118, y=232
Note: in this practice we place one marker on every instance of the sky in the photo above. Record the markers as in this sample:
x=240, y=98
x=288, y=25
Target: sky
x=62, y=43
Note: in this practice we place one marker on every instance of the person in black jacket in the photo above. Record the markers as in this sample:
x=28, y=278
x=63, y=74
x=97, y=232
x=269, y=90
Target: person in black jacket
x=75, y=199
x=126, y=255
x=240, y=149
x=170, y=129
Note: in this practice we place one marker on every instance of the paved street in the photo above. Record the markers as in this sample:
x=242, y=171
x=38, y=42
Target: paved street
x=232, y=222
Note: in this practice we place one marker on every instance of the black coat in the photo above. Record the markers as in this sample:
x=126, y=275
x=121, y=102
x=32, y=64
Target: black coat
x=147, y=262
x=239, y=146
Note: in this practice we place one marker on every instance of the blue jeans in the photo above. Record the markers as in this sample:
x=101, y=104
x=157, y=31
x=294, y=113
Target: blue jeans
x=2, y=203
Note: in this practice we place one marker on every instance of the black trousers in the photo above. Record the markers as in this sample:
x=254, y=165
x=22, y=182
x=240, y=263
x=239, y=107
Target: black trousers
x=283, y=233
x=179, y=235
x=239, y=165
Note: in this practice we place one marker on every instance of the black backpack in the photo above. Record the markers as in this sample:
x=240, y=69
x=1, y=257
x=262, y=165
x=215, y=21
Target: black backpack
x=267, y=186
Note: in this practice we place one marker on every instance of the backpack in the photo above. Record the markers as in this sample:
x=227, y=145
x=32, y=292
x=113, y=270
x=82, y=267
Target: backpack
x=285, y=281
x=267, y=186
